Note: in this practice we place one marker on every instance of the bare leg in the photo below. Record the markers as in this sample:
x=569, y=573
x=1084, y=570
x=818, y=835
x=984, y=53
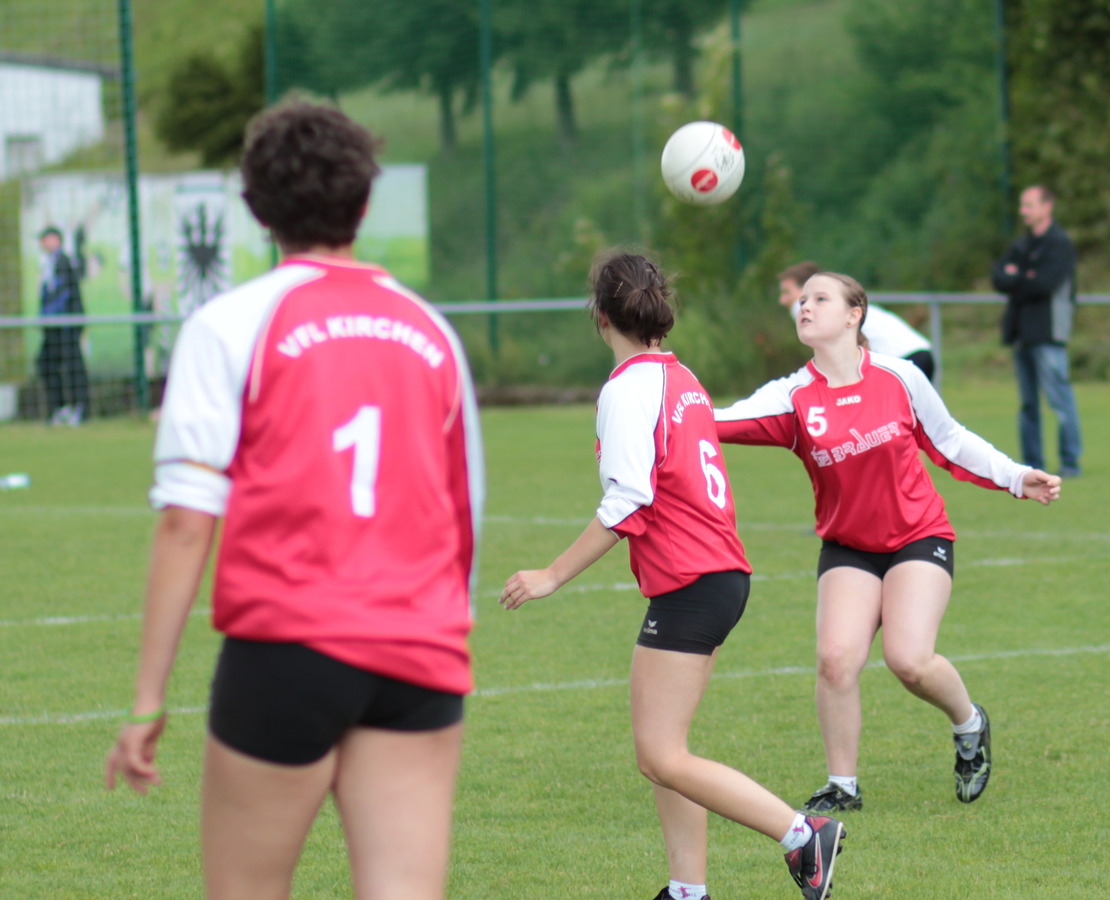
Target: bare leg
x=915, y=596
x=666, y=690
x=395, y=792
x=848, y=616
x=254, y=819
x=685, y=827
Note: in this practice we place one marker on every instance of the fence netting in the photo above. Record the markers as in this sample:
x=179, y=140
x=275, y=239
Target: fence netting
x=520, y=138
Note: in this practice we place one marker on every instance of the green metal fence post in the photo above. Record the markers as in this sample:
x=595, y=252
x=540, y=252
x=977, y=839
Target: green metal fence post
x=270, y=52
x=639, y=153
x=142, y=388
x=490, y=172
x=1004, y=118
x=737, y=110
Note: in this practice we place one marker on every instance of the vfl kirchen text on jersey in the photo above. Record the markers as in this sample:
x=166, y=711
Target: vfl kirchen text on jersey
x=689, y=398
x=380, y=328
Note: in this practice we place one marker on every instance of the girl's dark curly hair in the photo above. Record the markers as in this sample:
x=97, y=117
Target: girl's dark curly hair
x=307, y=170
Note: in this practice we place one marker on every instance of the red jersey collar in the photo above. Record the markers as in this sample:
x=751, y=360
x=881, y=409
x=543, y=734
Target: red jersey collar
x=660, y=356
x=309, y=259
x=864, y=365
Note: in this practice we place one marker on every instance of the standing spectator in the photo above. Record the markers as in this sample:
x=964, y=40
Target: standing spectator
x=665, y=491
x=1037, y=275
x=885, y=332
x=326, y=414
x=60, y=362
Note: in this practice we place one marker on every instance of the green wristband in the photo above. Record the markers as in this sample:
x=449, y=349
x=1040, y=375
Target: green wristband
x=146, y=718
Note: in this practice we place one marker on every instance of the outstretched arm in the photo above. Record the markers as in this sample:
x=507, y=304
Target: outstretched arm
x=530, y=584
x=1041, y=486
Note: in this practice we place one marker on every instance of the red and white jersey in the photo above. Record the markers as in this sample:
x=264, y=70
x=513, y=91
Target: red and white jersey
x=664, y=479
x=328, y=415
x=859, y=444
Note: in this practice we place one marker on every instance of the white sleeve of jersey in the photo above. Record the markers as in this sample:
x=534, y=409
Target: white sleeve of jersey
x=627, y=414
x=954, y=442
x=199, y=428
x=202, y=410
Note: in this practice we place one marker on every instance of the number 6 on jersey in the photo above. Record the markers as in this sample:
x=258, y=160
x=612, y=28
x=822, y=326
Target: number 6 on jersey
x=714, y=478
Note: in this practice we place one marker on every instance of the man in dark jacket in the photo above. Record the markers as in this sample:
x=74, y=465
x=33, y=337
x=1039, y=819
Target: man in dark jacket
x=60, y=361
x=1037, y=275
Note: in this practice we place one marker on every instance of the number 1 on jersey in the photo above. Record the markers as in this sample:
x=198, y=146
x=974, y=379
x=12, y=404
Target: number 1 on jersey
x=364, y=434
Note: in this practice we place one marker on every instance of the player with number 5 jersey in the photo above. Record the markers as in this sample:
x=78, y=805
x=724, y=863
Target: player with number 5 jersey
x=858, y=422
x=665, y=490
x=325, y=414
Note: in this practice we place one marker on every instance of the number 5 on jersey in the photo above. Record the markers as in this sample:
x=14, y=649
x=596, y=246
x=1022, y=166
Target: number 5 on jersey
x=364, y=434
x=816, y=423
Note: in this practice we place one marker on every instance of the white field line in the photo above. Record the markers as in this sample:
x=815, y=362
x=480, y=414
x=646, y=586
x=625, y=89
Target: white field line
x=805, y=527
x=587, y=684
x=619, y=586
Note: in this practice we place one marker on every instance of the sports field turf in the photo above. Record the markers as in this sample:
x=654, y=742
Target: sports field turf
x=549, y=795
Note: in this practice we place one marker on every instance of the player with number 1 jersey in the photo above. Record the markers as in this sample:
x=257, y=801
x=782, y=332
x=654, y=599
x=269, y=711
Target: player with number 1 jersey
x=325, y=416
x=347, y=502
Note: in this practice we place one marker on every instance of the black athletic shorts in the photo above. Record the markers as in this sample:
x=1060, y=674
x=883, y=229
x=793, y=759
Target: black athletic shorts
x=696, y=618
x=936, y=550
x=286, y=703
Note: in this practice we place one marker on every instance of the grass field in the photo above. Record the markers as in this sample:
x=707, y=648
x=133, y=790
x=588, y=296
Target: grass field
x=549, y=794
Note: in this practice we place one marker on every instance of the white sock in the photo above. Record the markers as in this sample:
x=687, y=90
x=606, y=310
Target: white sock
x=798, y=834
x=971, y=725
x=846, y=783
x=680, y=890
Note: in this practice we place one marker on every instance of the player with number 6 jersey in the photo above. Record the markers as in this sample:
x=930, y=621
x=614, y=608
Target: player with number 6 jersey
x=665, y=490
x=662, y=472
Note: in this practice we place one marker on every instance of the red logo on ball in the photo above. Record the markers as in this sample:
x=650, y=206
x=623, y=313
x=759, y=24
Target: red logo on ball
x=733, y=141
x=703, y=180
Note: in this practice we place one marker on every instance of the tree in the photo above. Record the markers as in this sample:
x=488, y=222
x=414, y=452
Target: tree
x=925, y=202
x=1059, y=59
x=209, y=102
x=672, y=26
x=430, y=46
x=554, y=40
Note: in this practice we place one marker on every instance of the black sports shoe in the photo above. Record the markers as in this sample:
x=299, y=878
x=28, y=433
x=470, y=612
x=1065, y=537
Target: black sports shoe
x=811, y=866
x=665, y=894
x=833, y=798
x=973, y=760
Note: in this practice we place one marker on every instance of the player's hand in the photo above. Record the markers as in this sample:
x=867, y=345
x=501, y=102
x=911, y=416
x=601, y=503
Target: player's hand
x=526, y=585
x=1041, y=486
x=133, y=756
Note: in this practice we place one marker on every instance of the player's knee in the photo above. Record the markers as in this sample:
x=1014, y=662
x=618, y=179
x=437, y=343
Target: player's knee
x=660, y=767
x=837, y=666
x=909, y=669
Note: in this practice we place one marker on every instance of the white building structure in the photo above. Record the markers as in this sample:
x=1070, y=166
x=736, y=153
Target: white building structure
x=49, y=107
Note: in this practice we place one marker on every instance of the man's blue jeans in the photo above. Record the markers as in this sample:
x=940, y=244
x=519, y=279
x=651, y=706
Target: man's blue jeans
x=1045, y=367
